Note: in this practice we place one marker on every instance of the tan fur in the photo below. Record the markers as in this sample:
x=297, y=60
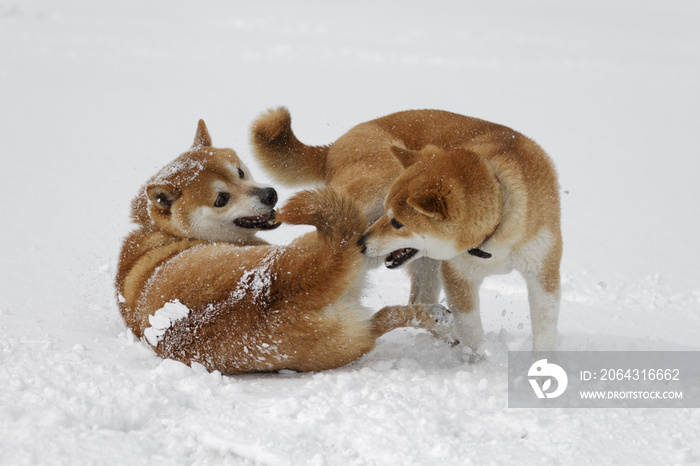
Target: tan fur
x=462, y=189
x=250, y=306
x=273, y=134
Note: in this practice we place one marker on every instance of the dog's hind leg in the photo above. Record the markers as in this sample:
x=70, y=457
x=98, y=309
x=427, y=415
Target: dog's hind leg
x=434, y=317
x=326, y=263
x=544, y=313
x=425, y=281
x=544, y=294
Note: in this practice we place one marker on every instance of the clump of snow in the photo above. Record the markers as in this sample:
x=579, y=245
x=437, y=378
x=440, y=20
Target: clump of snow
x=163, y=319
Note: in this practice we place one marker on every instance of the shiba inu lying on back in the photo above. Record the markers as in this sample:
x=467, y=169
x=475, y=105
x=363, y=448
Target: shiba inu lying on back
x=197, y=284
x=456, y=198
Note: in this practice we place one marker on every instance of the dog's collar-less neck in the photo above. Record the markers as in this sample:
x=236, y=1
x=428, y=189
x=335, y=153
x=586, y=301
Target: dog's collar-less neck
x=477, y=251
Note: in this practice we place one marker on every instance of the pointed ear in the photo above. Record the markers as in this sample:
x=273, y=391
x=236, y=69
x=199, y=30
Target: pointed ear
x=431, y=204
x=202, y=138
x=162, y=196
x=405, y=157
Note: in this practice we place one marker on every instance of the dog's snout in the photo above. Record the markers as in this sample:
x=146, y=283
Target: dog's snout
x=361, y=243
x=267, y=196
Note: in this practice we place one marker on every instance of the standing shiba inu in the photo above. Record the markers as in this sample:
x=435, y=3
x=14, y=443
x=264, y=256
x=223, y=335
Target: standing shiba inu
x=446, y=193
x=197, y=284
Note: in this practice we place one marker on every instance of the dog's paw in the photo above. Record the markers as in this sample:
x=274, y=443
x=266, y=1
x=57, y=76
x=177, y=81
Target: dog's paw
x=444, y=322
x=476, y=355
x=443, y=317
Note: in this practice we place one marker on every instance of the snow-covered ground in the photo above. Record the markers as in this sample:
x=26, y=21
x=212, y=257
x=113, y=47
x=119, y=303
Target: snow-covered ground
x=96, y=96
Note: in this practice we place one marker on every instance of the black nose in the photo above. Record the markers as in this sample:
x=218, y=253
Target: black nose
x=267, y=196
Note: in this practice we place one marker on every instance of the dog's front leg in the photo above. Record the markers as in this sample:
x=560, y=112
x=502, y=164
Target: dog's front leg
x=463, y=299
x=425, y=281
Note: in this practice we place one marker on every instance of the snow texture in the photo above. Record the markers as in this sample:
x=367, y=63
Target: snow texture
x=186, y=169
x=95, y=97
x=255, y=283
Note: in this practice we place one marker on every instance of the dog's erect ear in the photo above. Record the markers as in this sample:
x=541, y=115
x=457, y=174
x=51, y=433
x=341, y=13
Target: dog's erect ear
x=405, y=157
x=202, y=138
x=431, y=204
x=162, y=196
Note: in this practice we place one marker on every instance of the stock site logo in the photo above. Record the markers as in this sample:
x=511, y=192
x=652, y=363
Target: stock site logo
x=541, y=370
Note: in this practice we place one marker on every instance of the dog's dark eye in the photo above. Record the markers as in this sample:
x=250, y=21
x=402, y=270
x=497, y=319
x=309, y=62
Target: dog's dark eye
x=222, y=199
x=396, y=224
x=241, y=175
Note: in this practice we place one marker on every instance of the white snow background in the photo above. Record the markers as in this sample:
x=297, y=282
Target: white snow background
x=96, y=96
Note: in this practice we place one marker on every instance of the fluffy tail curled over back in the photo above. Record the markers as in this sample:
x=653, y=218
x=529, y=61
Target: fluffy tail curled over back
x=287, y=159
x=336, y=218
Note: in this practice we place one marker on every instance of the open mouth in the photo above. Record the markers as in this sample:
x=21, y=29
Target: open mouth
x=261, y=222
x=399, y=257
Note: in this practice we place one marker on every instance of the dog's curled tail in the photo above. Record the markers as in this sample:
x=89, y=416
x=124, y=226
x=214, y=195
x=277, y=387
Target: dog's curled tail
x=287, y=159
x=336, y=217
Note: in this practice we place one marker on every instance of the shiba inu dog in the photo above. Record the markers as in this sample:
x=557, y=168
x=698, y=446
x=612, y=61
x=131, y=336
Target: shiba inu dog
x=456, y=198
x=197, y=284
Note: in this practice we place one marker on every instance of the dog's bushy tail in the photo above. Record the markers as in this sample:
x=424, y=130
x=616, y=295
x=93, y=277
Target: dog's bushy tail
x=336, y=217
x=287, y=159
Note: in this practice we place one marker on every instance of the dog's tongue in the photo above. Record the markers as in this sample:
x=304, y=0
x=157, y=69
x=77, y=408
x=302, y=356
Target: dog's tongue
x=261, y=218
x=398, y=253
x=399, y=257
